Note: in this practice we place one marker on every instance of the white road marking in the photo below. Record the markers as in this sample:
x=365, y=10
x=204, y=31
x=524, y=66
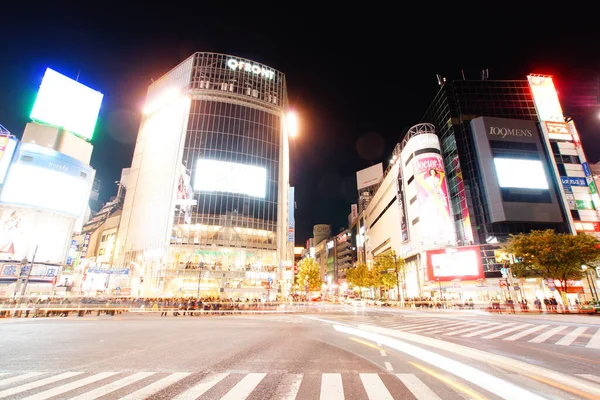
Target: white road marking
x=291, y=391
x=388, y=366
x=382, y=352
x=13, y=379
x=546, y=335
x=417, y=387
x=505, y=331
x=486, y=330
x=460, y=331
x=36, y=384
x=157, y=386
x=571, y=336
x=70, y=386
x=594, y=342
x=111, y=387
x=331, y=387
x=244, y=387
x=198, y=390
x=525, y=333
x=375, y=387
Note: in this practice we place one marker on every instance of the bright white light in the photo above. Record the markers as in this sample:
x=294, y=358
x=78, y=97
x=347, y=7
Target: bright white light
x=460, y=263
x=66, y=103
x=158, y=102
x=292, y=123
x=520, y=173
x=222, y=176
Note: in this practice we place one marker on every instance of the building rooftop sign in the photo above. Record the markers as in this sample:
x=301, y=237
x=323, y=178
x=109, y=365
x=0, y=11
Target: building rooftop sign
x=235, y=64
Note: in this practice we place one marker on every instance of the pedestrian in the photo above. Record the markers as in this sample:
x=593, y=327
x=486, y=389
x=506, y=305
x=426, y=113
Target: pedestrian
x=538, y=305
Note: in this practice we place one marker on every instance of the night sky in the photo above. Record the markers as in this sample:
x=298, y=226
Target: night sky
x=357, y=76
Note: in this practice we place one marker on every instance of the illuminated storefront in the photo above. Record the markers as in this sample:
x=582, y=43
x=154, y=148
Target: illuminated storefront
x=218, y=188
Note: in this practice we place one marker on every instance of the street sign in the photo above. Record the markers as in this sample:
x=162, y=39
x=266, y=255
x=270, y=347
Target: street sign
x=504, y=271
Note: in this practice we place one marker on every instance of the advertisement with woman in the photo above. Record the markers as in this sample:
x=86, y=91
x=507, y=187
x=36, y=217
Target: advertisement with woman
x=435, y=216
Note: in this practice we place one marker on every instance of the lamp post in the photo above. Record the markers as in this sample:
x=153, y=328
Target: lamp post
x=200, y=268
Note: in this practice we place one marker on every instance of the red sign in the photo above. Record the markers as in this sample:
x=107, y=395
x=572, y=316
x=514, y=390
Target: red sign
x=54, y=280
x=462, y=263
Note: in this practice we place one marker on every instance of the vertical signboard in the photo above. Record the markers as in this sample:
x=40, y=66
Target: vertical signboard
x=291, y=222
x=401, y=204
x=432, y=196
x=545, y=98
x=466, y=218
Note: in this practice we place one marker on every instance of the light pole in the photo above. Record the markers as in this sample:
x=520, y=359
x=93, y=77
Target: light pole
x=200, y=268
x=28, y=274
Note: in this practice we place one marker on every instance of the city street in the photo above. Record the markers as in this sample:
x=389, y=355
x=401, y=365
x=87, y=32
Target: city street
x=325, y=352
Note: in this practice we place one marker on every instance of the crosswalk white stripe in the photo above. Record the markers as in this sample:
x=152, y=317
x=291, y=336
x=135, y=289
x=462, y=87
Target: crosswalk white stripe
x=431, y=325
x=155, y=387
x=546, y=335
x=571, y=336
x=460, y=331
x=291, y=391
x=594, y=342
x=388, y=366
x=202, y=387
x=375, y=387
x=331, y=387
x=13, y=379
x=505, y=331
x=461, y=326
x=525, y=332
x=486, y=330
x=70, y=386
x=446, y=326
x=111, y=387
x=417, y=387
x=591, y=377
x=244, y=387
x=36, y=384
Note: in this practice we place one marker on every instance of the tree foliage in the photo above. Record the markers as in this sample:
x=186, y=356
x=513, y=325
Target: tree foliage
x=308, y=268
x=384, y=270
x=549, y=255
x=359, y=276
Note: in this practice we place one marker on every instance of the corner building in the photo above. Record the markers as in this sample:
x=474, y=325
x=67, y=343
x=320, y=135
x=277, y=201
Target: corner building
x=207, y=212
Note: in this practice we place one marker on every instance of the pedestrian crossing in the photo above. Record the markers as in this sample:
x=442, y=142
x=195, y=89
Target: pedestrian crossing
x=560, y=335
x=110, y=385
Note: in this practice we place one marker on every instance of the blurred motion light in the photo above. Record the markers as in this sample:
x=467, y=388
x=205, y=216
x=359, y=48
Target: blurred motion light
x=292, y=123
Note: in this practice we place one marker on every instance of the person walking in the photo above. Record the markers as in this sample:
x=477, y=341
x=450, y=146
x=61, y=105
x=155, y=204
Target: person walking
x=538, y=305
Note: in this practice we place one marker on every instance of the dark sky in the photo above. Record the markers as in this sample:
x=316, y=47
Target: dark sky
x=358, y=76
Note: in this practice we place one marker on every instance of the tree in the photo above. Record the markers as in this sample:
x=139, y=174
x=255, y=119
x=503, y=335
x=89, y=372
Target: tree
x=550, y=255
x=387, y=269
x=359, y=276
x=308, y=268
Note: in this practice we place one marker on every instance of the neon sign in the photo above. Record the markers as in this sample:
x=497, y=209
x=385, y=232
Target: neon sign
x=256, y=69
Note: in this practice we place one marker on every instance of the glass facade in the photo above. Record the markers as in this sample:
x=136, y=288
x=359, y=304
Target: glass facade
x=451, y=111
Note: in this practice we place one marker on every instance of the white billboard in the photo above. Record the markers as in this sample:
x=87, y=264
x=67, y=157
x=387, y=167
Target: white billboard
x=45, y=179
x=520, y=173
x=21, y=230
x=223, y=176
x=545, y=98
x=369, y=176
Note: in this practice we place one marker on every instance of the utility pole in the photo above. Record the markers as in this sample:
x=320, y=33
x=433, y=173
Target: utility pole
x=200, y=268
x=399, y=294
x=28, y=274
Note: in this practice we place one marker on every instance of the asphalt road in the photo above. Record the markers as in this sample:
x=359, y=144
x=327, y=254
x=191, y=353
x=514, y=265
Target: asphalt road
x=326, y=352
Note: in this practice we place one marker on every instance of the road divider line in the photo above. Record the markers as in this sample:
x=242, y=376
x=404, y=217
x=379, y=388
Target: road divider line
x=198, y=390
x=571, y=336
x=594, y=342
x=37, y=384
x=526, y=332
x=62, y=389
x=365, y=343
x=157, y=386
x=417, y=387
x=331, y=387
x=546, y=335
x=506, y=363
x=383, y=353
x=375, y=387
x=473, y=395
x=489, y=382
x=564, y=388
x=244, y=387
x=111, y=387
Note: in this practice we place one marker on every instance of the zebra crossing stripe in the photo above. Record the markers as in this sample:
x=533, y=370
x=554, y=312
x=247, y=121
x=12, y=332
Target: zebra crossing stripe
x=505, y=331
x=111, y=387
x=375, y=387
x=332, y=387
x=546, y=335
x=157, y=386
x=460, y=331
x=70, y=386
x=594, y=342
x=486, y=330
x=202, y=387
x=417, y=387
x=18, y=378
x=244, y=387
x=570, y=337
x=36, y=384
x=290, y=390
x=526, y=332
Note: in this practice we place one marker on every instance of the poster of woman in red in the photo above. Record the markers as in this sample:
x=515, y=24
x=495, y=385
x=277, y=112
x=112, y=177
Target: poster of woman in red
x=432, y=195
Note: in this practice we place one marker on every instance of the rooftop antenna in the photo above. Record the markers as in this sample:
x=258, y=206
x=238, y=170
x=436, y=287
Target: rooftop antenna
x=440, y=79
x=485, y=74
x=463, y=73
x=77, y=78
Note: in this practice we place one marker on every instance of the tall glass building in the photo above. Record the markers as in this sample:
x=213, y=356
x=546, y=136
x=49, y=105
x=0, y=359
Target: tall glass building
x=207, y=208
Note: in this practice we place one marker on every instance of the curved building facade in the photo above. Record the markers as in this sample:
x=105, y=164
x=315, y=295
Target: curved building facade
x=207, y=212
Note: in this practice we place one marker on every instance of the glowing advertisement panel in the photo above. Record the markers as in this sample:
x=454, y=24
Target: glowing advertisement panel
x=520, y=173
x=21, y=230
x=48, y=180
x=66, y=103
x=466, y=218
x=401, y=205
x=545, y=98
x=222, y=176
x=291, y=222
x=6, y=154
x=435, y=218
x=456, y=263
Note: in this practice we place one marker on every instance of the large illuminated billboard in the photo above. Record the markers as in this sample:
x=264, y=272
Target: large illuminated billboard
x=228, y=177
x=520, y=173
x=545, y=98
x=47, y=180
x=66, y=103
x=454, y=263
